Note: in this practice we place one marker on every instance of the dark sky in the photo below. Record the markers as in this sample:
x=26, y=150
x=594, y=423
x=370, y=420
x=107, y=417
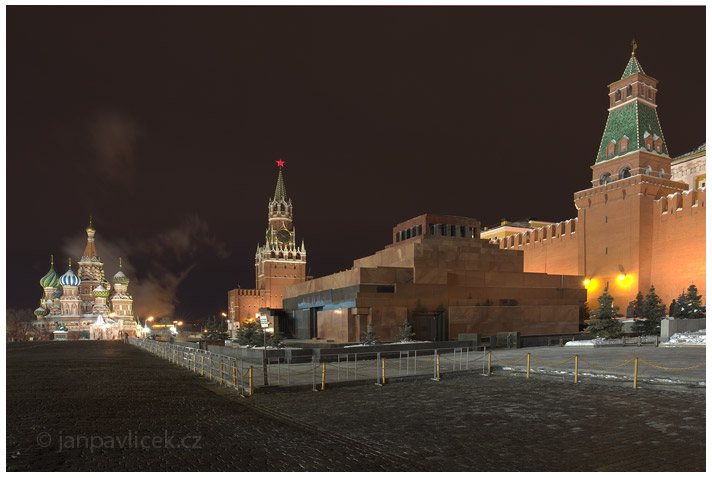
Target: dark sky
x=164, y=124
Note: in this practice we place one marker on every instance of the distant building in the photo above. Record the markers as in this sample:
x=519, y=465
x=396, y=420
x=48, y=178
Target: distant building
x=83, y=303
x=279, y=262
x=508, y=228
x=642, y=222
x=445, y=280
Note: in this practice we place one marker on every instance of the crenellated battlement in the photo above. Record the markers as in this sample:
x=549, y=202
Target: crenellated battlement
x=549, y=234
x=682, y=203
x=247, y=292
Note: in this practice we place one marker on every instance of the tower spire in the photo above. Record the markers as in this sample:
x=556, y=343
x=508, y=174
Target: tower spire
x=280, y=192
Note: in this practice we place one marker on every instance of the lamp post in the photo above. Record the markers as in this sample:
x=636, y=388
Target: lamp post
x=146, y=329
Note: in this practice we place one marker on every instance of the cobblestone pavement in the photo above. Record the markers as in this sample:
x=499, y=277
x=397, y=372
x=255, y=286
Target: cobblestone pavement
x=66, y=391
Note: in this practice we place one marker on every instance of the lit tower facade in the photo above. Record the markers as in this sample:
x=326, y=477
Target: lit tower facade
x=90, y=272
x=622, y=229
x=279, y=262
x=121, y=301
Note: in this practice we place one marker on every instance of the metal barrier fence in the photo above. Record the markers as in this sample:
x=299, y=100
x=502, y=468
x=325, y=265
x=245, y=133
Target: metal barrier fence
x=244, y=374
x=576, y=358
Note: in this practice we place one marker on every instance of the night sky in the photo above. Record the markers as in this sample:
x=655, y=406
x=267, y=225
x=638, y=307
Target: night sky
x=164, y=124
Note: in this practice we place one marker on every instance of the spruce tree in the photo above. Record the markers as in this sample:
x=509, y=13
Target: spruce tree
x=405, y=333
x=689, y=305
x=638, y=305
x=652, y=309
x=250, y=334
x=602, y=322
x=370, y=337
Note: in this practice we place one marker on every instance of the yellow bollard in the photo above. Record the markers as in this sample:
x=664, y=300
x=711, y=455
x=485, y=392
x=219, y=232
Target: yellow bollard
x=221, y=372
x=195, y=364
x=323, y=376
x=383, y=371
x=528, y=356
x=635, y=374
x=489, y=363
x=202, y=365
x=438, y=361
x=234, y=374
x=250, y=381
x=210, y=370
x=575, y=368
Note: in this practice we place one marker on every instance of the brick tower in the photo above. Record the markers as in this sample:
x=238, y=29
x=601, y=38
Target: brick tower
x=279, y=262
x=631, y=172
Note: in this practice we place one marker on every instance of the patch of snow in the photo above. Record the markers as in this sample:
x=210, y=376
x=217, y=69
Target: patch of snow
x=689, y=338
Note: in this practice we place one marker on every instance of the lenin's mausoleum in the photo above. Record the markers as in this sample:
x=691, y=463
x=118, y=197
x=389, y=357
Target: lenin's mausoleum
x=641, y=223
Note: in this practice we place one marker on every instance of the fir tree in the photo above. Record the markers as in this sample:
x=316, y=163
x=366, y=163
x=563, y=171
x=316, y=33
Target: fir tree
x=214, y=327
x=689, y=305
x=405, y=333
x=602, y=322
x=370, y=337
x=653, y=310
x=250, y=334
x=638, y=305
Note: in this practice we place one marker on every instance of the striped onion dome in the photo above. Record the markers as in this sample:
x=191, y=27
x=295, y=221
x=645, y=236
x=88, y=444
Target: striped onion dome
x=100, y=292
x=120, y=277
x=69, y=278
x=40, y=312
x=50, y=279
x=57, y=293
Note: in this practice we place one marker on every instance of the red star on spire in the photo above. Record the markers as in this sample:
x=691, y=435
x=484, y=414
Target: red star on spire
x=280, y=163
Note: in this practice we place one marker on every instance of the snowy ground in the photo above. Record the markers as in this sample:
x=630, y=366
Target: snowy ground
x=689, y=338
x=683, y=338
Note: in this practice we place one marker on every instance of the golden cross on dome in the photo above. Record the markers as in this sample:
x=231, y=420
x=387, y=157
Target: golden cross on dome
x=634, y=45
x=120, y=266
x=51, y=258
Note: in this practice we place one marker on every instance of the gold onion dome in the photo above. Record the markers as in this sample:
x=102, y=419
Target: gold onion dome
x=90, y=228
x=51, y=278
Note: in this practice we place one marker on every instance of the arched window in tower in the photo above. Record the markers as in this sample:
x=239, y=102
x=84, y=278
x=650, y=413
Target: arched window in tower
x=624, y=173
x=618, y=95
x=649, y=171
x=611, y=149
x=661, y=173
x=605, y=178
x=629, y=90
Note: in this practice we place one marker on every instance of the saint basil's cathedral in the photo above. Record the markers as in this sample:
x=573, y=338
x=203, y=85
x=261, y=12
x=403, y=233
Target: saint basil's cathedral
x=82, y=304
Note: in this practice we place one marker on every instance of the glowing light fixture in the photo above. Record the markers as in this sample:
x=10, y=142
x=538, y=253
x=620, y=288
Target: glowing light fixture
x=621, y=277
x=587, y=282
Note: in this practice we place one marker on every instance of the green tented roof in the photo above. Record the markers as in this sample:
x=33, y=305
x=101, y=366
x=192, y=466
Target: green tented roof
x=632, y=67
x=631, y=120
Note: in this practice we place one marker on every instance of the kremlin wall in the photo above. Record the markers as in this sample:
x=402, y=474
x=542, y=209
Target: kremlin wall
x=641, y=223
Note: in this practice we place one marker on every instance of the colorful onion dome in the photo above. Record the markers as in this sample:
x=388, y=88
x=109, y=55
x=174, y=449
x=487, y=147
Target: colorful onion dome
x=50, y=279
x=69, y=278
x=100, y=292
x=120, y=277
x=41, y=312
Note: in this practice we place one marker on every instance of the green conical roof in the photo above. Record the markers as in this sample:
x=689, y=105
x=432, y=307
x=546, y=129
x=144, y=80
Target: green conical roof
x=632, y=67
x=280, y=192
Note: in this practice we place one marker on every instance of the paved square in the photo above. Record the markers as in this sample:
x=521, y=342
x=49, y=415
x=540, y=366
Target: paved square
x=96, y=406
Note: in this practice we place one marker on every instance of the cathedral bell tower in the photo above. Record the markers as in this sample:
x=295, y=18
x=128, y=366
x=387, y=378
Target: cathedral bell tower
x=279, y=262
